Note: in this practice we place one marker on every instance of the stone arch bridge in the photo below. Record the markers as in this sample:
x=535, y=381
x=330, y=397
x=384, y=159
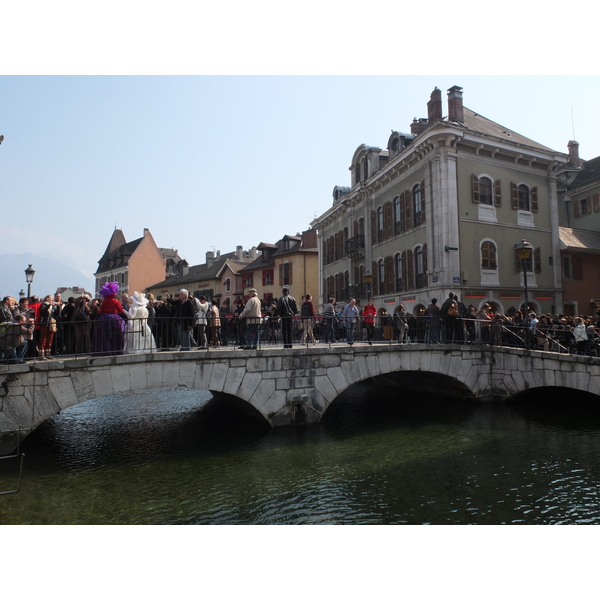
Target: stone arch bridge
x=284, y=387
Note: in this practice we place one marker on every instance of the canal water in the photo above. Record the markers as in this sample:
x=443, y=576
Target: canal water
x=169, y=457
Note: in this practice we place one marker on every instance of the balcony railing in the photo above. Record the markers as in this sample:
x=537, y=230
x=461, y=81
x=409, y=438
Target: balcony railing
x=355, y=246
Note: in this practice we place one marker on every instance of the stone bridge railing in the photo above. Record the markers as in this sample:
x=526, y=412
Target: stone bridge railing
x=284, y=387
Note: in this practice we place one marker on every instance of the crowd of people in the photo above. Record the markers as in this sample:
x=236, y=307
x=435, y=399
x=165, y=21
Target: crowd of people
x=46, y=328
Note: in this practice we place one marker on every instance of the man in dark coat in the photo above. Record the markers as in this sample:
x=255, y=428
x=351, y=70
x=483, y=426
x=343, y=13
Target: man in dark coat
x=449, y=320
x=185, y=317
x=287, y=309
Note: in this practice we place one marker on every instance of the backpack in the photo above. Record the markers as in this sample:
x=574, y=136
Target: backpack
x=305, y=311
x=453, y=310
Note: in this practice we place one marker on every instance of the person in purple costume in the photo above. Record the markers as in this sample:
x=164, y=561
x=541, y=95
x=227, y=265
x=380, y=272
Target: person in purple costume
x=110, y=323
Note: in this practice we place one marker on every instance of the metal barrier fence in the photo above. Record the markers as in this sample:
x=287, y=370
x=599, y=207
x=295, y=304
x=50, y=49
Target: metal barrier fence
x=166, y=333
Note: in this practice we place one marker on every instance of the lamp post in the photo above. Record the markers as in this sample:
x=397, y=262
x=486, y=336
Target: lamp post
x=368, y=280
x=524, y=251
x=21, y=294
x=29, y=273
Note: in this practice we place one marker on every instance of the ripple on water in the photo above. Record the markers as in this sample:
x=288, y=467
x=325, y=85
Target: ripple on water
x=154, y=458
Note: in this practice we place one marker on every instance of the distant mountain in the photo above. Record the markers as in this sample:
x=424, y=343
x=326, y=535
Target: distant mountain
x=49, y=275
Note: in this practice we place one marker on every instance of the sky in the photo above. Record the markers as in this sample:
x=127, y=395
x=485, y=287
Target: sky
x=224, y=124
x=210, y=162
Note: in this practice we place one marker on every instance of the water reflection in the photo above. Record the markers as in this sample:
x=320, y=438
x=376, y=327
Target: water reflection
x=167, y=456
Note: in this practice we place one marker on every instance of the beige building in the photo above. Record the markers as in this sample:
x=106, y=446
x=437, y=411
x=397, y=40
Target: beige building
x=292, y=262
x=441, y=209
x=219, y=277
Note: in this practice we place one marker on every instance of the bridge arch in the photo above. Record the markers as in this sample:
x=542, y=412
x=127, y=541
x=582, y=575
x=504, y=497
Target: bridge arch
x=294, y=387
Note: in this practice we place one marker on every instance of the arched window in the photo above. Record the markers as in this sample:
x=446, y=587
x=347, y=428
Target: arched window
x=486, y=190
x=398, y=272
x=417, y=208
x=524, y=198
x=489, y=263
x=398, y=215
x=380, y=224
x=381, y=275
x=488, y=256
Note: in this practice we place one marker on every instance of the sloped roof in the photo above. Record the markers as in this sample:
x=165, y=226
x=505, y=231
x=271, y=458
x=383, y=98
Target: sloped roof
x=267, y=259
x=589, y=174
x=119, y=255
x=579, y=239
x=480, y=124
x=203, y=272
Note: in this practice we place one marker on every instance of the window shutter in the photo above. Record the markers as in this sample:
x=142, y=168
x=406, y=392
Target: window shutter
x=281, y=274
x=576, y=207
x=423, y=201
x=537, y=260
x=588, y=205
x=388, y=220
x=514, y=196
x=596, y=203
x=389, y=275
x=402, y=213
x=577, y=267
x=290, y=271
x=410, y=283
x=408, y=210
x=534, y=199
x=375, y=274
x=497, y=193
x=475, y=188
x=425, y=283
x=373, y=227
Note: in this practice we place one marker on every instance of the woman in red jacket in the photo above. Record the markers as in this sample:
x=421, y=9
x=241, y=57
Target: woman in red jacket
x=369, y=313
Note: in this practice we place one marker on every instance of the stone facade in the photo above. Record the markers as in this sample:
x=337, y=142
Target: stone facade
x=441, y=209
x=294, y=388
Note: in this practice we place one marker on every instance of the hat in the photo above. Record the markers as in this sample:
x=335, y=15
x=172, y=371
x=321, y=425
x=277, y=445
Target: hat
x=285, y=288
x=251, y=291
x=109, y=289
x=139, y=299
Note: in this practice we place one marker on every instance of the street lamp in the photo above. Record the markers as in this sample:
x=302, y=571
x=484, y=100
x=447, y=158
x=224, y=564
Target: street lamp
x=368, y=280
x=21, y=294
x=524, y=251
x=29, y=273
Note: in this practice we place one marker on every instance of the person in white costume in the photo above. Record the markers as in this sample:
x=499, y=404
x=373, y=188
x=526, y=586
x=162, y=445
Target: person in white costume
x=138, y=337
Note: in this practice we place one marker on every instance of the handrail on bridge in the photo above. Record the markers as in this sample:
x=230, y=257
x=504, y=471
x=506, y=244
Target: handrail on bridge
x=75, y=338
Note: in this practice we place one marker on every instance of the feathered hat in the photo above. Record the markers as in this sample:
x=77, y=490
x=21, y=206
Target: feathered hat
x=139, y=299
x=109, y=289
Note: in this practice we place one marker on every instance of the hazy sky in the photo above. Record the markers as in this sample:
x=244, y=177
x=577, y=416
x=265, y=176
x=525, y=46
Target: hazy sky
x=210, y=162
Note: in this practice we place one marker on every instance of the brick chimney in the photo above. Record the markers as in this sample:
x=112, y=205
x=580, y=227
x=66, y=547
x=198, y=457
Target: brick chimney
x=455, y=104
x=418, y=125
x=573, y=147
x=309, y=238
x=434, y=106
